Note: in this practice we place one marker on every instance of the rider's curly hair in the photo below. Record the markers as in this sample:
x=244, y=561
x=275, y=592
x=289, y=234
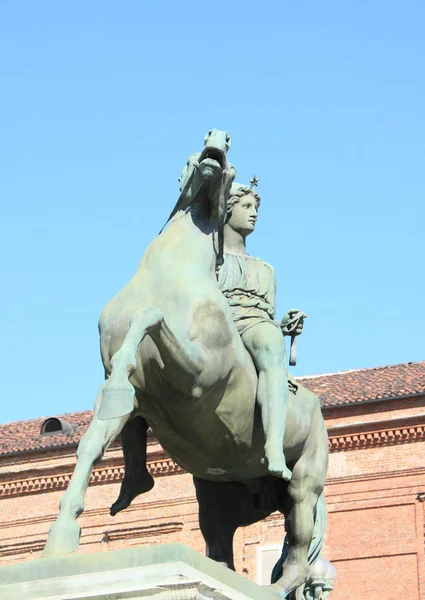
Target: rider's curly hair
x=238, y=191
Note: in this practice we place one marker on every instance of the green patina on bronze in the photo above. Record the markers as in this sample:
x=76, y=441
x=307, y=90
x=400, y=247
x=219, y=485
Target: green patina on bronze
x=195, y=361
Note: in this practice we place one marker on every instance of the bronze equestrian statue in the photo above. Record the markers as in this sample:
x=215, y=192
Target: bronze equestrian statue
x=205, y=368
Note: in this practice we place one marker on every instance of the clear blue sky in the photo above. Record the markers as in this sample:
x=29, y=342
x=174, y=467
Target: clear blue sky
x=101, y=102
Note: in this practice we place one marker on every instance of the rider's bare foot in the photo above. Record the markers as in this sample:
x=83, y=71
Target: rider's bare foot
x=276, y=464
x=132, y=485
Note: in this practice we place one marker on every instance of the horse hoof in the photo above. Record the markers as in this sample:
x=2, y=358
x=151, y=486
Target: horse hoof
x=62, y=540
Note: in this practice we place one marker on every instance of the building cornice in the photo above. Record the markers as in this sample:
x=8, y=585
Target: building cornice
x=377, y=433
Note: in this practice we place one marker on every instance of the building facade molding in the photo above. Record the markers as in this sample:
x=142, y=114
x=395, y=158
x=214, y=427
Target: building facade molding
x=162, y=465
x=141, y=531
x=357, y=437
x=106, y=474
x=375, y=476
x=378, y=433
x=27, y=547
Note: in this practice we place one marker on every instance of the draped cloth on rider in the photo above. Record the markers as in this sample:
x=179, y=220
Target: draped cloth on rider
x=249, y=285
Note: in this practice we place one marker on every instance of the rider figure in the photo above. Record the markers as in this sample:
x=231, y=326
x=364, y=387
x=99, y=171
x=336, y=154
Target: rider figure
x=249, y=285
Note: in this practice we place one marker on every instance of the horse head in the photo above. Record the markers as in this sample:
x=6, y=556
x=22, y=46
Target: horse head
x=208, y=175
x=206, y=167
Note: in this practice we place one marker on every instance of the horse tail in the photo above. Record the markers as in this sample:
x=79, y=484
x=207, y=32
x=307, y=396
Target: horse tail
x=316, y=543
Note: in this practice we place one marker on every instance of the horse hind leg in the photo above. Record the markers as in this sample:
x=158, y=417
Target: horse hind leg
x=220, y=506
x=225, y=506
x=64, y=534
x=303, y=494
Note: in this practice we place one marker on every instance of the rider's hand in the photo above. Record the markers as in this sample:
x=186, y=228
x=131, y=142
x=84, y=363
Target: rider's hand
x=297, y=327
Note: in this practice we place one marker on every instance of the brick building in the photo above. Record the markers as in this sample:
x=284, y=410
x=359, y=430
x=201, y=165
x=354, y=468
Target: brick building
x=375, y=489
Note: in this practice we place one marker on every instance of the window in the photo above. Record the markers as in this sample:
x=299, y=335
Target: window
x=267, y=557
x=54, y=426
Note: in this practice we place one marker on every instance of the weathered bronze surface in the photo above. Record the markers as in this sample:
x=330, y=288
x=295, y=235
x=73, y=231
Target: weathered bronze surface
x=194, y=358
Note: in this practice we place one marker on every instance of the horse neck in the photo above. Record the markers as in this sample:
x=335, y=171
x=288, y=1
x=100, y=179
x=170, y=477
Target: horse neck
x=191, y=238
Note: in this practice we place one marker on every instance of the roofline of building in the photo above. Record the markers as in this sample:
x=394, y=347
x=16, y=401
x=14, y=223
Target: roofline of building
x=373, y=401
x=151, y=433
x=332, y=374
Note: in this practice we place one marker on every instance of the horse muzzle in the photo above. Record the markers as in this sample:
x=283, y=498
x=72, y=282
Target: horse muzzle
x=216, y=145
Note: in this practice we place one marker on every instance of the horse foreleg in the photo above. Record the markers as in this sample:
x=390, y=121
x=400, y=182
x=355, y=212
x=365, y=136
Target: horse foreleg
x=118, y=394
x=64, y=534
x=188, y=356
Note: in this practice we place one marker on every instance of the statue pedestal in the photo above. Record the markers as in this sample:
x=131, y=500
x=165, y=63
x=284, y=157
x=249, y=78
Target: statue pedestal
x=164, y=572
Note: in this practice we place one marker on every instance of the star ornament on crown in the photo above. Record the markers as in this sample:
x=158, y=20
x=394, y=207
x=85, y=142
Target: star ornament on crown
x=254, y=182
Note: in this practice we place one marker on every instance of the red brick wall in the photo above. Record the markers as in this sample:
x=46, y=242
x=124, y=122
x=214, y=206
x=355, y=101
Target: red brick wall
x=375, y=494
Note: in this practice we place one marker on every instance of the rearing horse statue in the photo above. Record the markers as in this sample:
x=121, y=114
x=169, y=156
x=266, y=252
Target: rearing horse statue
x=172, y=355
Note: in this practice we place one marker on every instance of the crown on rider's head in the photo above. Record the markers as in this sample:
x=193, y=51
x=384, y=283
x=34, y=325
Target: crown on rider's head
x=240, y=189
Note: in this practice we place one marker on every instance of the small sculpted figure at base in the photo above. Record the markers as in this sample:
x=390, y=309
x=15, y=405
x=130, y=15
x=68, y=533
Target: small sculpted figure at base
x=191, y=361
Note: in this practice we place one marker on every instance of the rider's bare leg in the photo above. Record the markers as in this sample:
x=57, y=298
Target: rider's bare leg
x=266, y=345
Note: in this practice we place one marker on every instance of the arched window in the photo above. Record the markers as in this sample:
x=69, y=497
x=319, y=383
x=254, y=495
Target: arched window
x=55, y=426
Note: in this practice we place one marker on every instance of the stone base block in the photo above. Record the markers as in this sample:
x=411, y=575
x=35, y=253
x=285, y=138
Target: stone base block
x=163, y=572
